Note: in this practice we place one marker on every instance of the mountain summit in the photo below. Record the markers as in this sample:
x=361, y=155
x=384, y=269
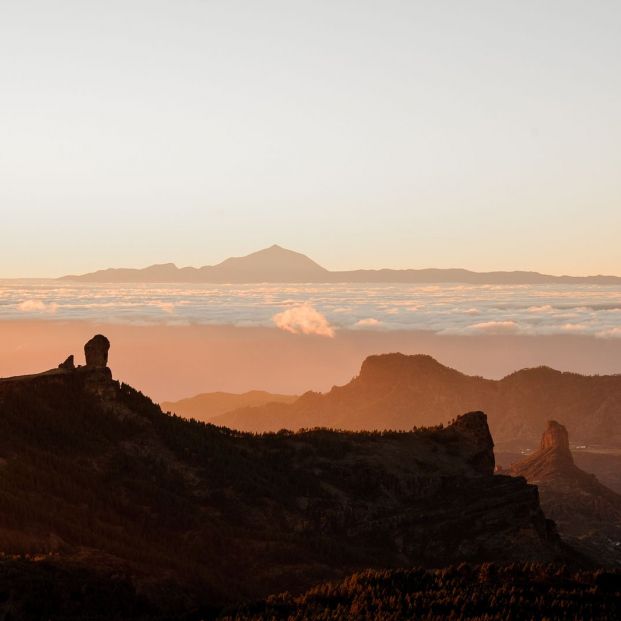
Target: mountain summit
x=273, y=264
x=270, y=264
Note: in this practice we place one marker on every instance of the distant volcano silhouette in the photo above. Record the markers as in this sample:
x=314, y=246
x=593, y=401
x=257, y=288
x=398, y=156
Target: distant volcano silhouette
x=279, y=265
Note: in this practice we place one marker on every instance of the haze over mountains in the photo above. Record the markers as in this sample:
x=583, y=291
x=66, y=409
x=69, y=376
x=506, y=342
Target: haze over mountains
x=279, y=265
x=395, y=391
x=208, y=407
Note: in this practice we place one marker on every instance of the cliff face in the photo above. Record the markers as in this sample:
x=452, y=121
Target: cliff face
x=91, y=469
x=587, y=513
x=394, y=391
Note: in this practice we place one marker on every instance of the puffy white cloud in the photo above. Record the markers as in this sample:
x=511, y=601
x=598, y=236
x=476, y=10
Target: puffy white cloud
x=37, y=306
x=369, y=322
x=303, y=319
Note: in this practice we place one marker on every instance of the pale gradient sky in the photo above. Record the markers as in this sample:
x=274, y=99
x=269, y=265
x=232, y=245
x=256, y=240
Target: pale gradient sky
x=482, y=134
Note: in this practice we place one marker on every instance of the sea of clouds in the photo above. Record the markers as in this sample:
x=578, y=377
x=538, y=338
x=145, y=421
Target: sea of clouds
x=323, y=310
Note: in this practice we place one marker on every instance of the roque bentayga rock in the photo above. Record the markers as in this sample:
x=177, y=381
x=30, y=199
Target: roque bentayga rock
x=587, y=513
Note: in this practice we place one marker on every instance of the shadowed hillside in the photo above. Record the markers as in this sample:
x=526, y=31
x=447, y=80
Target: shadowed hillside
x=196, y=516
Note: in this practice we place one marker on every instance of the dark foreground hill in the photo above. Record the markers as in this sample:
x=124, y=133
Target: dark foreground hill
x=586, y=512
x=477, y=593
x=394, y=391
x=191, y=516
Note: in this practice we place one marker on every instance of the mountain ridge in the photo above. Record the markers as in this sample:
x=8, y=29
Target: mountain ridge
x=277, y=264
x=397, y=391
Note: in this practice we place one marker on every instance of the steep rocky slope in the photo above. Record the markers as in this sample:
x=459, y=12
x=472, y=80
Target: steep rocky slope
x=394, y=391
x=93, y=472
x=586, y=512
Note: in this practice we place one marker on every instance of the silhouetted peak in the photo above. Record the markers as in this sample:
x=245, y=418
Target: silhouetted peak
x=541, y=372
x=472, y=422
x=96, y=352
x=68, y=364
x=395, y=366
x=474, y=430
x=274, y=262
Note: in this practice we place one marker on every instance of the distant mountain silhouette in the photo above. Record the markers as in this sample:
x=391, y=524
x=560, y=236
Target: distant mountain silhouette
x=277, y=264
x=395, y=391
x=95, y=479
x=587, y=513
x=210, y=406
x=273, y=264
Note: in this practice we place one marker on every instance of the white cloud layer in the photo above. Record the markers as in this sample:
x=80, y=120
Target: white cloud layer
x=323, y=309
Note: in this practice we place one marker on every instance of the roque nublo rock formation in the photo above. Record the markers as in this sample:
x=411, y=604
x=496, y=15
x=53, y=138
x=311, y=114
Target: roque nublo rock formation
x=96, y=352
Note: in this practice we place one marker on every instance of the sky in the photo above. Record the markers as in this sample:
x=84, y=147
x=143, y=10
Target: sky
x=482, y=134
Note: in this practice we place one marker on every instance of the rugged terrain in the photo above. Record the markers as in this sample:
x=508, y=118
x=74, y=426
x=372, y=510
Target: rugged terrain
x=92, y=473
x=395, y=391
x=587, y=513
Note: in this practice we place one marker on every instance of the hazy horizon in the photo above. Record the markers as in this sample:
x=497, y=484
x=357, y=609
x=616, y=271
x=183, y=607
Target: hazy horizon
x=348, y=189
x=482, y=135
x=170, y=362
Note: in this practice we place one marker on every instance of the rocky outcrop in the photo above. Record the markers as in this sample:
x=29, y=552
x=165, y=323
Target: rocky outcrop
x=552, y=460
x=68, y=364
x=556, y=439
x=587, y=513
x=96, y=352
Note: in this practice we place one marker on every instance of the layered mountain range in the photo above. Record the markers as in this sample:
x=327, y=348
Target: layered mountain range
x=207, y=407
x=587, y=513
x=395, y=391
x=94, y=477
x=277, y=264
